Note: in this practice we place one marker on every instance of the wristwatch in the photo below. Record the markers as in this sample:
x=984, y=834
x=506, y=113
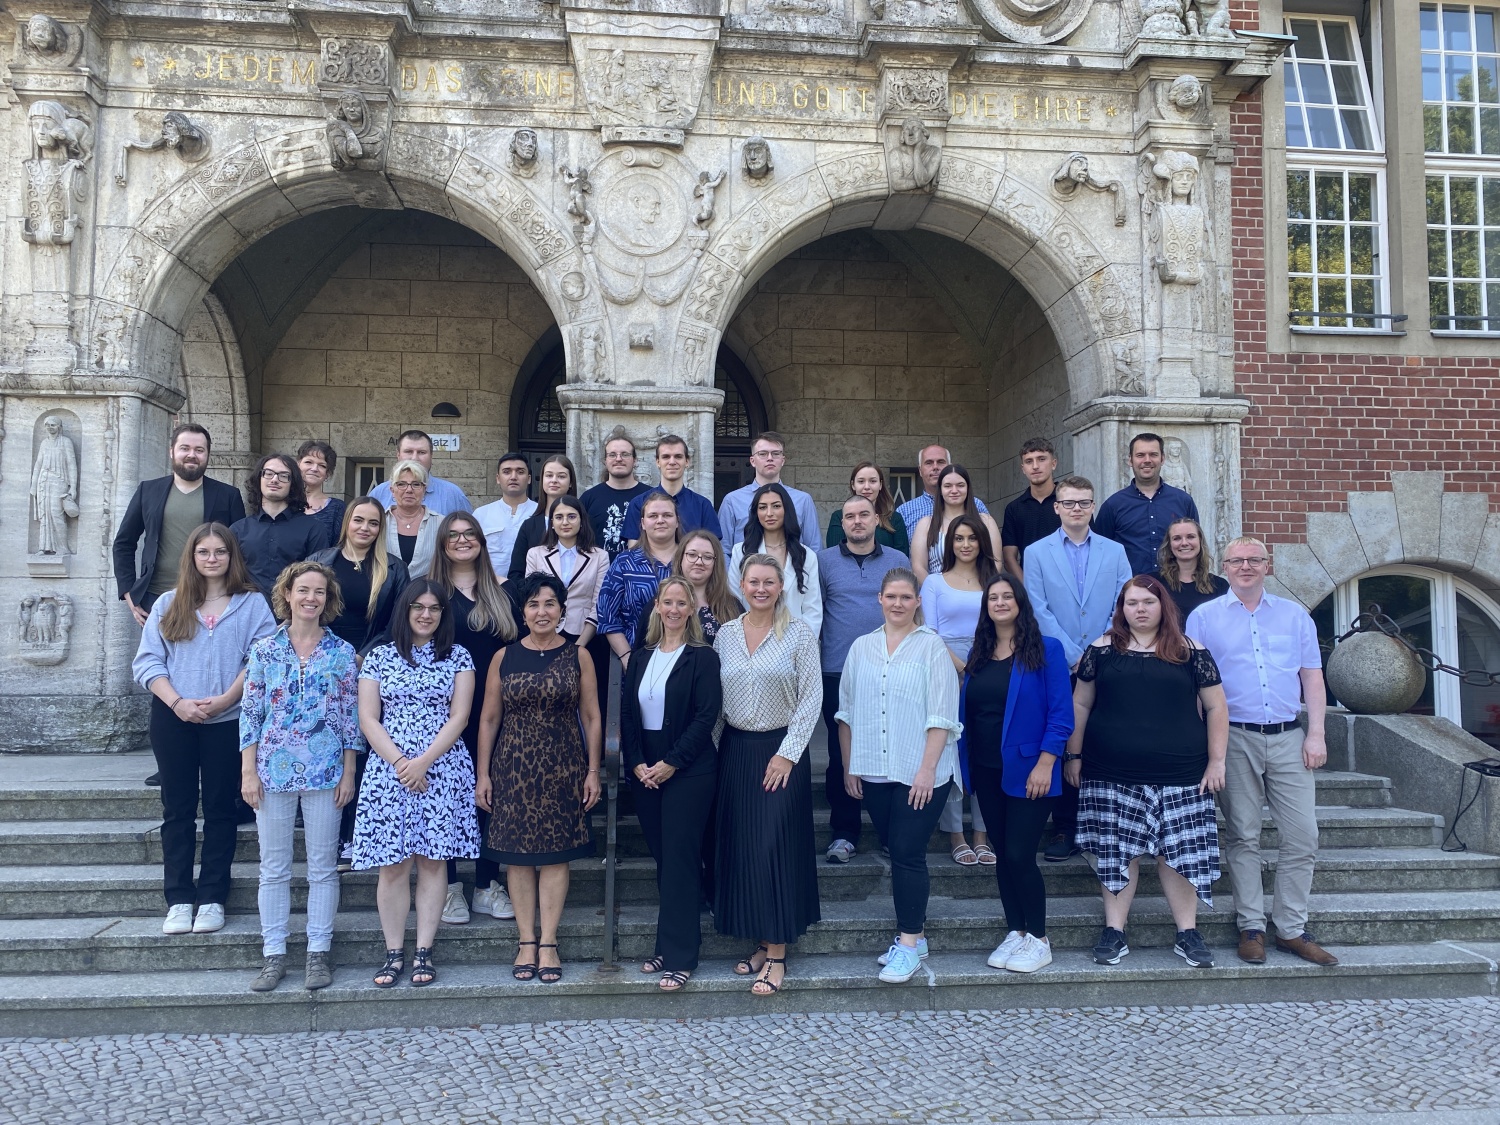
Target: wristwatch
x=1072, y=757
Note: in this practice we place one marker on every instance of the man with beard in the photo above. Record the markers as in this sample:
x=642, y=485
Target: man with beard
x=165, y=511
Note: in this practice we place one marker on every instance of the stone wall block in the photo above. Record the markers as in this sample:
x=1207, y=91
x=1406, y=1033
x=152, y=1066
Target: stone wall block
x=849, y=416
x=450, y=370
x=1487, y=556
x=1375, y=520
x=1419, y=510
x=1304, y=577
x=817, y=346
x=405, y=262
x=297, y=367
x=327, y=331
x=314, y=404
x=465, y=334
x=885, y=348
x=1463, y=521
x=382, y=296
x=1335, y=541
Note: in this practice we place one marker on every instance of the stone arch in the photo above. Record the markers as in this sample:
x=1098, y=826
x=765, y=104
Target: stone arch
x=217, y=393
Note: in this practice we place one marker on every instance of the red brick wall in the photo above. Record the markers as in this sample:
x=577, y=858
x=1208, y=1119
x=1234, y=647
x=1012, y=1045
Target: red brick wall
x=1323, y=425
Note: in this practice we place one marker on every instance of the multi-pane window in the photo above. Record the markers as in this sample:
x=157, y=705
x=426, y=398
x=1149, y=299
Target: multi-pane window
x=1334, y=180
x=1460, y=80
x=1463, y=252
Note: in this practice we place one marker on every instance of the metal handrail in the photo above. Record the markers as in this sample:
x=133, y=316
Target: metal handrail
x=611, y=784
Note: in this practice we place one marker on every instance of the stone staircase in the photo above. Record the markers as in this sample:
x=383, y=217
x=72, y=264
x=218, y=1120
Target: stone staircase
x=81, y=949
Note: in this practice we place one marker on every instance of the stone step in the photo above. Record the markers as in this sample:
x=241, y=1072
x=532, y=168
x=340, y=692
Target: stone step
x=218, y=1001
x=77, y=945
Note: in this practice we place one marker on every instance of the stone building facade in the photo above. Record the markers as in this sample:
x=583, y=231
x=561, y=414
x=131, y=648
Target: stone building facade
x=867, y=224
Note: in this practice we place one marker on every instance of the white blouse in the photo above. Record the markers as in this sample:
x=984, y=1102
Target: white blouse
x=808, y=605
x=890, y=700
x=653, y=690
x=780, y=685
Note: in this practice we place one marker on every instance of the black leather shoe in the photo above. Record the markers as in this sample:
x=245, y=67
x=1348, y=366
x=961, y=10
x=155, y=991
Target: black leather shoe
x=154, y=780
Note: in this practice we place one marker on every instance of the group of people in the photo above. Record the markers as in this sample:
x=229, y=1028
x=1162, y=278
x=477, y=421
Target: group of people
x=425, y=682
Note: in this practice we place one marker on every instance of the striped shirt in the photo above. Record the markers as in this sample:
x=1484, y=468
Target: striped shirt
x=890, y=700
x=628, y=586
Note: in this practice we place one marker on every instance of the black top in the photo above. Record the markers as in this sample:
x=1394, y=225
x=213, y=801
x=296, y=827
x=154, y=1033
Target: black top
x=374, y=628
x=482, y=646
x=271, y=543
x=1144, y=728
x=984, y=711
x=353, y=623
x=331, y=516
x=695, y=695
x=407, y=545
x=1190, y=597
x=606, y=508
x=531, y=534
x=222, y=503
x=1027, y=520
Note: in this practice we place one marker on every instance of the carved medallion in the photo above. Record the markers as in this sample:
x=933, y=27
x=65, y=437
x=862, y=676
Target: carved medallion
x=1030, y=21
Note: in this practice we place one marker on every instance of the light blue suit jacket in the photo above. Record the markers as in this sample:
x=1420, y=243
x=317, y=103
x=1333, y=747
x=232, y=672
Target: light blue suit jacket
x=1054, y=594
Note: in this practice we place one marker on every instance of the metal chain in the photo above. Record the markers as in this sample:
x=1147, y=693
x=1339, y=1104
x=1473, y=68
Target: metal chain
x=1373, y=620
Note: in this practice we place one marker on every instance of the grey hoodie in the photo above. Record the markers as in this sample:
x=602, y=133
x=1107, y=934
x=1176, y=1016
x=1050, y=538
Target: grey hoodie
x=210, y=662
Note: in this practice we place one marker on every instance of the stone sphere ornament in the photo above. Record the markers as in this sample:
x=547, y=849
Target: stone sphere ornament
x=1373, y=674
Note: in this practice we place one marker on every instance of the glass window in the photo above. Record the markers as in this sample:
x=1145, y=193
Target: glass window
x=1460, y=80
x=1463, y=252
x=1333, y=247
x=1327, y=91
x=1478, y=647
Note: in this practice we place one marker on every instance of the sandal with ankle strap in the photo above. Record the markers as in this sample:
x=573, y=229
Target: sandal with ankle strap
x=673, y=980
x=765, y=978
x=527, y=969
x=421, y=966
x=746, y=965
x=549, y=974
x=653, y=964
x=389, y=973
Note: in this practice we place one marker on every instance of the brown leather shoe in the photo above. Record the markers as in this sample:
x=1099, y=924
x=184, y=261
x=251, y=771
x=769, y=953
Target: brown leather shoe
x=1307, y=949
x=1253, y=947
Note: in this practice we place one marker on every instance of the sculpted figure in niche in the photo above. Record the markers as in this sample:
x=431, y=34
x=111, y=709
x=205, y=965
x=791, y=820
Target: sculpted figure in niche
x=917, y=159
x=46, y=37
x=1210, y=19
x=1074, y=173
x=1174, y=465
x=43, y=623
x=704, y=193
x=178, y=135
x=523, y=152
x=1163, y=19
x=757, y=156
x=354, y=141
x=579, y=188
x=55, y=180
x=54, y=488
x=1179, y=224
x=591, y=354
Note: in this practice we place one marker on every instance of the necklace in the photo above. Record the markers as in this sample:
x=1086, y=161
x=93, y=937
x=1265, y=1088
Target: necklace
x=666, y=667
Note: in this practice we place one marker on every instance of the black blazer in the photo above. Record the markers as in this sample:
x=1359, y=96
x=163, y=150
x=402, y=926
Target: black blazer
x=532, y=532
x=222, y=503
x=695, y=697
x=396, y=579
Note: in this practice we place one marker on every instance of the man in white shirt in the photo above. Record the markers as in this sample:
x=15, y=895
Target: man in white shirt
x=767, y=458
x=1267, y=651
x=443, y=496
x=501, y=521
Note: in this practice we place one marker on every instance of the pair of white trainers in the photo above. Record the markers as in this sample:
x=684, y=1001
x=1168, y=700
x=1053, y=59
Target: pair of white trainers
x=1021, y=953
x=492, y=900
x=180, y=919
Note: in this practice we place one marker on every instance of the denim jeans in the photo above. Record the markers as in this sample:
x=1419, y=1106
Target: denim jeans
x=275, y=823
x=906, y=831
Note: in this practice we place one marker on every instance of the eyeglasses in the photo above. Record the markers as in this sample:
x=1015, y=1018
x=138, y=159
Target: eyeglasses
x=770, y=454
x=1075, y=504
x=408, y=484
x=619, y=456
x=419, y=609
x=470, y=536
x=1253, y=561
x=272, y=474
x=697, y=557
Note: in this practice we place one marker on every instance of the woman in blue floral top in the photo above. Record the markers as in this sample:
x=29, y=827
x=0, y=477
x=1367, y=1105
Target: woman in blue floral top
x=299, y=732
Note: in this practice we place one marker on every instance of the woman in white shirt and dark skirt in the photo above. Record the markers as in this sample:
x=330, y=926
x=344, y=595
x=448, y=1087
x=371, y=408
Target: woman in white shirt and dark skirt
x=766, y=877
x=669, y=705
x=898, y=724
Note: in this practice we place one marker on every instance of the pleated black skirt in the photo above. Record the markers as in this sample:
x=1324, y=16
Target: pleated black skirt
x=766, y=885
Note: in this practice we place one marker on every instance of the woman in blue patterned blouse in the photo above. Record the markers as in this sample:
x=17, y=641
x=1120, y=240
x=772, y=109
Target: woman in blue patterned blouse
x=299, y=732
x=635, y=574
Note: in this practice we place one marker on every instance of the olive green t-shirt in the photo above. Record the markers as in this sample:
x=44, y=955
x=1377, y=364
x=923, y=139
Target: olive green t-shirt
x=184, y=512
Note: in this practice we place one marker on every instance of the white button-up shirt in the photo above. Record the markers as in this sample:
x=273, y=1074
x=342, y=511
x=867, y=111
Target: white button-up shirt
x=1259, y=654
x=501, y=526
x=890, y=700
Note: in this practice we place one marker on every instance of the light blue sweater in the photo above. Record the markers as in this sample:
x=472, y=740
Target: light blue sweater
x=210, y=662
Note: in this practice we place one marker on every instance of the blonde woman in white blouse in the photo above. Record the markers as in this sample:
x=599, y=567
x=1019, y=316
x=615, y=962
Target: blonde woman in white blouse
x=766, y=886
x=898, y=729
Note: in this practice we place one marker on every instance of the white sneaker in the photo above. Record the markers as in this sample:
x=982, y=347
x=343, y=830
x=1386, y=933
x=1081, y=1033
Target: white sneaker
x=1007, y=949
x=901, y=964
x=1035, y=953
x=455, y=909
x=210, y=918
x=494, y=901
x=884, y=958
x=179, y=919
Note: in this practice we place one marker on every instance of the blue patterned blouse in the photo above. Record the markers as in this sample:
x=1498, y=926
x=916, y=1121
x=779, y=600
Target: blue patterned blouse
x=629, y=584
x=300, y=719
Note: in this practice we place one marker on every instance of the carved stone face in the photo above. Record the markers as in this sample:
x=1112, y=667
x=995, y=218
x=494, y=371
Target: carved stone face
x=523, y=146
x=53, y=427
x=573, y=286
x=913, y=132
x=352, y=110
x=1183, y=181
x=1078, y=169
x=46, y=129
x=171, y=132
x=757, y=157
x=1185, y=92
x=1175, y=449
x=43, y=34
x=645, y=201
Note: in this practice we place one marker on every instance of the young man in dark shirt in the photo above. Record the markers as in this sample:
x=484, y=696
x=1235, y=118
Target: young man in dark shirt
x=607, y=503
x=1033, y=514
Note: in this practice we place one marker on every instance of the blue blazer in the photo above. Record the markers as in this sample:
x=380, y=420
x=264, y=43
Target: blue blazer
x=1038, y=719
x=1061, y=613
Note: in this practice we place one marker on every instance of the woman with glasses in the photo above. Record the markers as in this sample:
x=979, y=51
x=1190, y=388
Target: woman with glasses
x=316, y=461
x=1186, y=568
x=276, y=530
x=558, y=479
x=569, y=553
x=483, y=624
x=773, y=529
x=412, y=526
x=416, y=802
x=868, y=480
x=955, y=497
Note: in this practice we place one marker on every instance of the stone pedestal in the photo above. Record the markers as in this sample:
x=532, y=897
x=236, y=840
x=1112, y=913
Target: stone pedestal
x=645, y=414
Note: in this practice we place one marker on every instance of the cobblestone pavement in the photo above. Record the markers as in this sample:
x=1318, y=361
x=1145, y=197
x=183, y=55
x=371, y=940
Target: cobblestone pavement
x=1428, y=1062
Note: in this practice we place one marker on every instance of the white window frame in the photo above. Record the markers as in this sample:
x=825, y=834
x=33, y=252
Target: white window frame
x=1473, y=53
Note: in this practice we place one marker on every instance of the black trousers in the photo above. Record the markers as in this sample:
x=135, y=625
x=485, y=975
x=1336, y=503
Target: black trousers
x=906, y=831
x=1064, y=811
x=1015, y=827
x=673, y=819
x=843, y=809
x=194, y=759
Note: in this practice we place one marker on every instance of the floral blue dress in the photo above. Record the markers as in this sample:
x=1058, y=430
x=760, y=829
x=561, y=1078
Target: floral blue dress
x=300, y=720
x=392, y=823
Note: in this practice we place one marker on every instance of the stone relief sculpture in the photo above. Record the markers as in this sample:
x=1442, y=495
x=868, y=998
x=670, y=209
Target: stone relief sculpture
x=914, y=160
x=354, y=140
x=574, y=286
x=1175, y=468
x=589, y=345
x=579, y=188
x=1177, y=225
x=1128, y=372
x=1210, y=19
x=44, y=623
x=757, y=159
x=703, y=191
x=1184, y=94
x=1030, y=21
x=920, y=91
x=55, y=179
x=178, y=134
x=1163, y=19
x=46, y=39
x=54, y=488
x=523, y=152
x=1074, y=173
x=354, y=60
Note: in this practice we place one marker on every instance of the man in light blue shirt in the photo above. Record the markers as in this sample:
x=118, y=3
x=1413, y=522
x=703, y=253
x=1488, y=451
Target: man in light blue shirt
x=768, y=458
x=443, y=496
x=931, y=461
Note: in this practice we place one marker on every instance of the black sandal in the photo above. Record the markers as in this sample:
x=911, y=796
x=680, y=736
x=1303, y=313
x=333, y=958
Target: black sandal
x=421, y=966
x=654, y=964
x=390, y=972
x=524, y=971
x=746, y=965
x=765, y=977
x=673, y=981
x=549, y=974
